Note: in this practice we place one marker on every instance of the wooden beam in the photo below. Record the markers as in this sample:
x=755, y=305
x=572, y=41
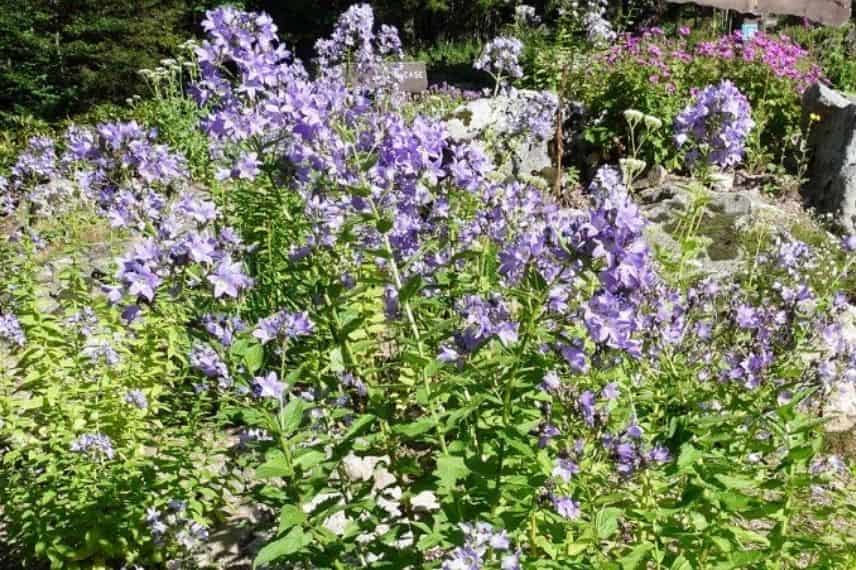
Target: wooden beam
x=829, y=12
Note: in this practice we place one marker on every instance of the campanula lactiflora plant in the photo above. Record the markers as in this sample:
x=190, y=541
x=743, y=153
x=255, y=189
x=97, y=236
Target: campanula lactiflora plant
x=421, y=362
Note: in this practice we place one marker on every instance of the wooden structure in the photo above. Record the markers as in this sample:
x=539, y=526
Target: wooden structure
x=830, y=12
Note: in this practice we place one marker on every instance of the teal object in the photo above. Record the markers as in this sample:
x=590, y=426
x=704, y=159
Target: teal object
x=748, y=30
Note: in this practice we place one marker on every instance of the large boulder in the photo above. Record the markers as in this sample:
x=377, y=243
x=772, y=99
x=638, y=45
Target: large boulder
x=489, y=121
x=831, y=186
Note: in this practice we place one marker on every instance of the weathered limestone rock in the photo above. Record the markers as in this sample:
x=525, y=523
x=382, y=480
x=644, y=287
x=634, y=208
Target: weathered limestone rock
x=487, y=120
x=832, y=173
x=723, y=215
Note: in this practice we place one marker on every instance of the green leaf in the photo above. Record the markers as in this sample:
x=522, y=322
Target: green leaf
x=681, y=563
x=413, y=285
x=275, y=466
x=414, y=429
x=357, y=426
x=689, y=455
x=606, y=522
x=745, y=535
x=310, y=459
x=450, y=469
x=636, y=557
x=292, y=416
x=290, y=516
x=289, y=544
x=732, y=482
x=254, y=357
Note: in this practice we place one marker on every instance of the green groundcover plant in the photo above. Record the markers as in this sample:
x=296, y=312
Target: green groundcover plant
x=431, y=365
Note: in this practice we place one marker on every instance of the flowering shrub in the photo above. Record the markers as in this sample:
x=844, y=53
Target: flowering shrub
x=715, y=126
x=656, y=73
x=431, y=364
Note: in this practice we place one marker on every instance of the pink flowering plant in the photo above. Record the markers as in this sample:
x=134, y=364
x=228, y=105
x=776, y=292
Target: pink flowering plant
x=419, y=360
x=656, y=73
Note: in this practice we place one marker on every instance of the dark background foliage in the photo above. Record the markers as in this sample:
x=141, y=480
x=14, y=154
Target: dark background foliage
x=58, y=57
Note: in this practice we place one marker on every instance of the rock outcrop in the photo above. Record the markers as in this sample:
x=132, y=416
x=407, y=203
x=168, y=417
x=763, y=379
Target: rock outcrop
x=831, y=186
x=488, y=120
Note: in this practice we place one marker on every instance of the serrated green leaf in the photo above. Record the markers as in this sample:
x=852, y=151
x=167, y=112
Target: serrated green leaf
x=290, y=516
x=289, y=544
x=606, y=522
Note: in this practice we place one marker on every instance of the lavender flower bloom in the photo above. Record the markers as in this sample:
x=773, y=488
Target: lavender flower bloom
x=100, y=350
x=715, y=126
x=598, y=29
x=546, y=433
x=484, y=319
x=283, y=325
x=511, y=561
x=551, y=382
x=565, y=469
x=11, y=331
x=534, y=115
x=269, y=386
x=566, y=507
x=229, y=279
x=137, y=399
x=223, y=327
x=660, y=455
x=464, y=558
x=83, y=322
x=611, y=391
x=206, y=360
x=94, y=445
x=482, y=546
x=587, y=408
x=501, y=58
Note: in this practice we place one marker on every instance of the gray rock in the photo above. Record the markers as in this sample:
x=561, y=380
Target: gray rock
x=831, y=186
x=488, y=120
x=724, y=214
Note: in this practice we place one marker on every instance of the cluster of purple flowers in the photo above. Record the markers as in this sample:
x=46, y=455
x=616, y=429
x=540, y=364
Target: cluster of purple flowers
x=269, y=386
x=355, y=48
x=33, y=168
x=283, y=325
x=100, y=350
x=121, y=168
x=483, y=319
x=535, y=115
x=94, y=445
x=174, y=527
x=223, y=327
x=186, y=237
x=483, y=545
x=11, y=331
x=210, y=364
x=780, y=54
x=630, y=454
x=715, y=125
x=501, y=58
x=137, y=398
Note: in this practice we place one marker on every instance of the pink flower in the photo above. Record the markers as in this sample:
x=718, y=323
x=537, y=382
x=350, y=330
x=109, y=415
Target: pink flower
x=684, y=31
